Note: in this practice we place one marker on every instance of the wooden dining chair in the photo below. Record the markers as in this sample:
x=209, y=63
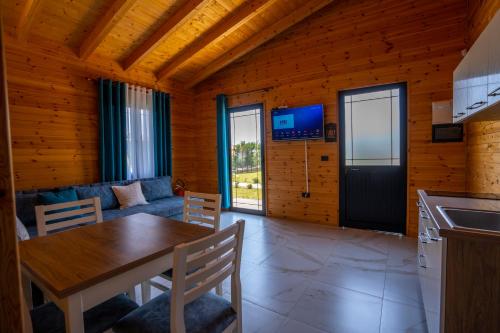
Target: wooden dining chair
x=49, y=318
x=202, y=208
x=199, y=208
x=190, y=306
x=67, y=214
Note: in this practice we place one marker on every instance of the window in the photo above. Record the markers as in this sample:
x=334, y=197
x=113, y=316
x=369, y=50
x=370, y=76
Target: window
x=139, y=132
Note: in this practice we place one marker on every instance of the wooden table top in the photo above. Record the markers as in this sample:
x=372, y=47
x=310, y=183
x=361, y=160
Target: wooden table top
x=73, y=260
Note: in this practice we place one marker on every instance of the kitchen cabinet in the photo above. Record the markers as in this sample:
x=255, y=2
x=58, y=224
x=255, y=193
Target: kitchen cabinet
x=494, y=62
x=430, y=267
x=476, y=80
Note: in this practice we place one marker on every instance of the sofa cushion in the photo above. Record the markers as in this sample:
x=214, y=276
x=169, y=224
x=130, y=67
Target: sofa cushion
x=209, y=314
x=57, y=197
x=130, y=195
x=157, y=188
x=48, y=318
x=103, y=191
x=25, y=207
x=164, y=207
x=21, y=231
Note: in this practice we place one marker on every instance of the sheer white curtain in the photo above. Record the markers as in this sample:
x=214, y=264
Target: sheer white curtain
x=139, y=129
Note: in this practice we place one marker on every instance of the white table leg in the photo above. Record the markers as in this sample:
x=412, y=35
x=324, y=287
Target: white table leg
x=146, y=291
x=73, y=314
x=131, y=294
x=28, y=296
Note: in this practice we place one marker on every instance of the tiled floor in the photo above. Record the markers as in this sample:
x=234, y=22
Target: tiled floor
x=308, y=278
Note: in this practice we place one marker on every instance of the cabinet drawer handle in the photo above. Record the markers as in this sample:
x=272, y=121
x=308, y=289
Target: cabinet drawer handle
x=421, y=261
x=430, y=231
x=495, y=92
x=458, y=115
x=423, y=238
x=476, y=105
x=426, y=217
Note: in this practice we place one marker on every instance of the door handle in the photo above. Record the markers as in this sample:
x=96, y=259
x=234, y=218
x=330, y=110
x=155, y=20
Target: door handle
x=458, y=115
x=495, y=92
x=354, y=169
x=476, y=105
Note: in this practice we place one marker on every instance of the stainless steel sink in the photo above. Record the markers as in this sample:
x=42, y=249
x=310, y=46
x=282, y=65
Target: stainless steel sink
x=472, y=219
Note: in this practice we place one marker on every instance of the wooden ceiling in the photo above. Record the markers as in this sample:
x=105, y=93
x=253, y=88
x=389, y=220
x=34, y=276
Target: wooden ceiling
x=185, y=40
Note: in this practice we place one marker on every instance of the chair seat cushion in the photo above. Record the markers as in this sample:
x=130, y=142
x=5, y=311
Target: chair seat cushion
x=208, y=314
x=170, y=273
x=48, y=318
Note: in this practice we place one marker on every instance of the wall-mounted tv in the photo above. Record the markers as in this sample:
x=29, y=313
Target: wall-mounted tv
x=301, y=123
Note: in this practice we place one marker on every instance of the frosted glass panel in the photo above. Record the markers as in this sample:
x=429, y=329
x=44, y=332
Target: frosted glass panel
x=372, y=128
x=372, y=95
x=395, y=129
x=348, y=135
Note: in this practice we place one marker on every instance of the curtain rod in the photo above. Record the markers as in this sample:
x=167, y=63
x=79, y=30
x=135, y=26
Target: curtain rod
x=141, y=85
x=266, y=89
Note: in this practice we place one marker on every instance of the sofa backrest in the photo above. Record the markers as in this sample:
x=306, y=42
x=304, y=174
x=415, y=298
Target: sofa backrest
x=153, y=189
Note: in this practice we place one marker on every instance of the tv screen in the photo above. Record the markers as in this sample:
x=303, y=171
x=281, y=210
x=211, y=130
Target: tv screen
x=300, y=123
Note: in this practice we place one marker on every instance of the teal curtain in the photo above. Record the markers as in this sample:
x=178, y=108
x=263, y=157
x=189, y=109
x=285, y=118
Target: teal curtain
x=162, y=134
x=223, y=151
x=112, y=155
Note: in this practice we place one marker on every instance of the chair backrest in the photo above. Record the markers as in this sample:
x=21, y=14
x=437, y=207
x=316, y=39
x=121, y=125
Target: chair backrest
x=210, y=260
x=202, y=208
x=67, y=214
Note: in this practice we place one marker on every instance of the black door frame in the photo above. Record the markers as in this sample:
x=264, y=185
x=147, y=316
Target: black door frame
x=262, y=156
x=402, y=86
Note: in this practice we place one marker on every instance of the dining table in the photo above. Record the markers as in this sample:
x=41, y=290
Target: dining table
x=82, y=267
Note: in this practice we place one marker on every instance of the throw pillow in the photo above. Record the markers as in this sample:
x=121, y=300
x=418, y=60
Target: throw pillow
x=129, y=195
x=62, y=196
x=157, y=188
x=22, y=233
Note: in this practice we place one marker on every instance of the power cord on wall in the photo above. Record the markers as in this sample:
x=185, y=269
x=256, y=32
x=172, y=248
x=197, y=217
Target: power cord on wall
x=306, y=194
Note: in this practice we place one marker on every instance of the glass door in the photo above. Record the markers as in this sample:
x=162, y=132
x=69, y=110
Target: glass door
x=247, y=159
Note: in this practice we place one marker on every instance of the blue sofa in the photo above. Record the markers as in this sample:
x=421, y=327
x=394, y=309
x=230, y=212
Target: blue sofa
x=157, y=191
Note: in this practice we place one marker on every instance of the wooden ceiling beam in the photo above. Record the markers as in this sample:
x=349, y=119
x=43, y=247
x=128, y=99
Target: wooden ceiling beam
x=26, y=19
x=104, y=25
x=227, y=25
x=165, y=30
x=258, y=39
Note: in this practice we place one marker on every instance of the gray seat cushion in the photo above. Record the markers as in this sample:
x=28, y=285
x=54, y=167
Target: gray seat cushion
x=207, y=314
x=49, y=319
x=103, y=191
x=164, y=207
x=157, y=188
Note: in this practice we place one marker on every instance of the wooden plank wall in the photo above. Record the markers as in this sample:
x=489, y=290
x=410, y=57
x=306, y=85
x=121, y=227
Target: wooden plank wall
x=349, y=44
x=54, y=115
x=483, y=145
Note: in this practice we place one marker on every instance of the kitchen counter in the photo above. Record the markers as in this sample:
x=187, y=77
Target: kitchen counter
x=463, y=200
x=458, y=267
